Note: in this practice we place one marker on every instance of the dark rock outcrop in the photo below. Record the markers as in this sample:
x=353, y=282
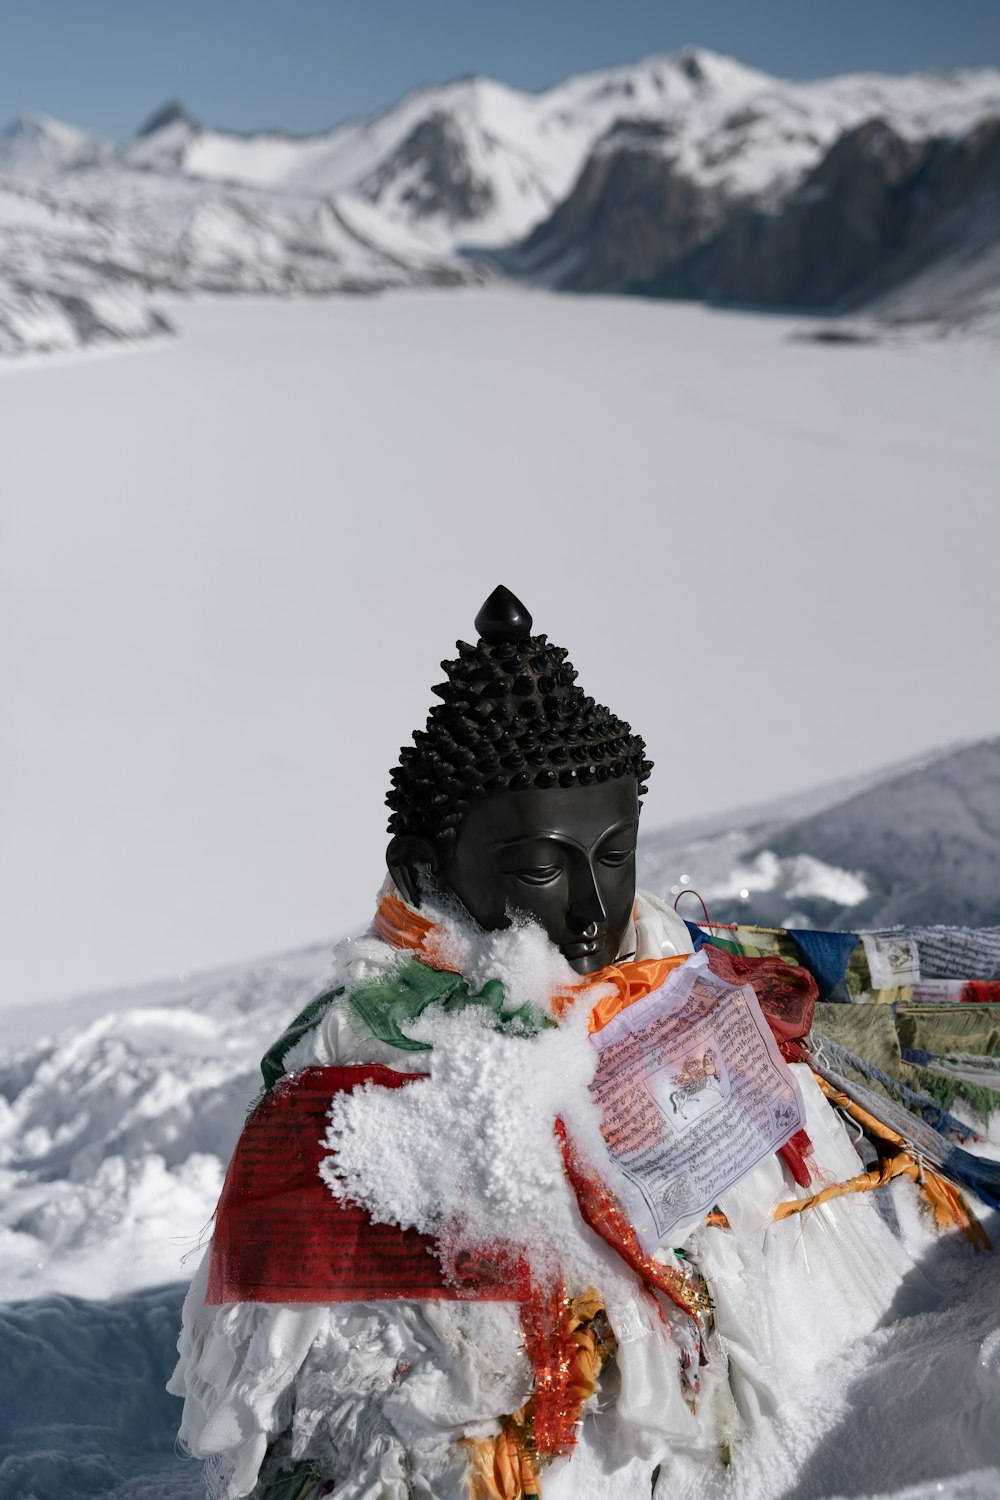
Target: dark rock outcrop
x=168, y=114
x=928, y=841
x=435, y=158
x=630, y=213
x=876, y=211
x=831, y=235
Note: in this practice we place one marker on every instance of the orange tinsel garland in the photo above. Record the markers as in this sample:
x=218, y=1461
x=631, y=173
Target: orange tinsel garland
x=568, y=1341
x=603, y=1213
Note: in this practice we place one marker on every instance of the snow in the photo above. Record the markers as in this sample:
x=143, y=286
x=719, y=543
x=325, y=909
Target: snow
x=35, y=143
x=22, y=210
x=814, y=877
x=913, y=1401
x=802, y=876
x=115, y=1127
x=62, y=320
x=232, y=564
x=86, y=1414
x=764, y=139
x=498, y=125
x=458, y=1155
x=962, y=289
x=923, y=841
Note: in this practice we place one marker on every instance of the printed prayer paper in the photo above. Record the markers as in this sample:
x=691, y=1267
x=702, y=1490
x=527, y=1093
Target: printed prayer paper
x=694, y=1095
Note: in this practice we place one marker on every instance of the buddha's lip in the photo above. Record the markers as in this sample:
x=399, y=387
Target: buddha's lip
x=584, y=948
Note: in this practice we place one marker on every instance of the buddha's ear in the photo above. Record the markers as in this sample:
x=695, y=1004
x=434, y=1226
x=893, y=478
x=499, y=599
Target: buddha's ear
x=404, y=856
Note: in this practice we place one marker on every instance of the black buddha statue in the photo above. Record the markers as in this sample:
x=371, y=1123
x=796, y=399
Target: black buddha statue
x=499, y=1281
x=521, y=793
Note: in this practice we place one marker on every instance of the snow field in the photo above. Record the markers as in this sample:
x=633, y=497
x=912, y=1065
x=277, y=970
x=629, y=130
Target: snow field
x=232, y=578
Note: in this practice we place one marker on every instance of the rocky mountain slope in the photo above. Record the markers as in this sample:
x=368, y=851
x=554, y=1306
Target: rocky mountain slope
x=688, y=175
x=877, y=212
x=919, y=843
x=819, y=196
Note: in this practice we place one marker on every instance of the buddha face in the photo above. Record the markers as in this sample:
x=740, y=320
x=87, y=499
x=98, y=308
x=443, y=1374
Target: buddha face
x=566, y=855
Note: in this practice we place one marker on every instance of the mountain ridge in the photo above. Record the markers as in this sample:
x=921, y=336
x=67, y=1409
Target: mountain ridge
x=682, y=175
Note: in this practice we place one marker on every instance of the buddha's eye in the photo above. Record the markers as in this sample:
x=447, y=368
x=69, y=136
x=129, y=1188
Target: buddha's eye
x=615, y=858
x=539, y=874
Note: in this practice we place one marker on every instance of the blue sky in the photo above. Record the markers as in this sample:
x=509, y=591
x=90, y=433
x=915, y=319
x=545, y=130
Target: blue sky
x=305, y=64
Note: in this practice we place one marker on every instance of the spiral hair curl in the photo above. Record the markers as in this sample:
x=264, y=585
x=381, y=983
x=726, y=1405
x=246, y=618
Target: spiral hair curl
x=510, y=717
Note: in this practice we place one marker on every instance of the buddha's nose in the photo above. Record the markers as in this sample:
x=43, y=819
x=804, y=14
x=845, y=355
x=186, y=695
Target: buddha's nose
x=586, y=916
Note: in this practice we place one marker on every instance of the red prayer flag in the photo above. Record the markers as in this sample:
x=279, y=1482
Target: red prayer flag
x=282, y=1236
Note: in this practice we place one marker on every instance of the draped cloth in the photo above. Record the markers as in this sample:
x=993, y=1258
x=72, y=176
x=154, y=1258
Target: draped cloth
x=399, y=925
x=282, y=1236
x=946, y=1203
x=787, y=995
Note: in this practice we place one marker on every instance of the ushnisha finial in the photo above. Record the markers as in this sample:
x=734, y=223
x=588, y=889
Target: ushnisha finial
x=510, y=717
x=503, y=618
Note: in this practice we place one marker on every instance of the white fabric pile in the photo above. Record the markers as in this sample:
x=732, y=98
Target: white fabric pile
x=381, y=1395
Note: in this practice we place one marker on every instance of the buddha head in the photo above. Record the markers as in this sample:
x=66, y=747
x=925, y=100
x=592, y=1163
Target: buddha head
x=521, y=794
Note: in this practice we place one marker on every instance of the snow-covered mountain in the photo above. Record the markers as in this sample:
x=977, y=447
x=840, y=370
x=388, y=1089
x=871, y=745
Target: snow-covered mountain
x=88, y=230
x=752, y=190
x=686, y=175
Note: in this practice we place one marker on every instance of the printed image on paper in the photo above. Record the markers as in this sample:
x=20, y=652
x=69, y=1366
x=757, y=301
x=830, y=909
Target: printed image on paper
x=954, y=952
x=694, y=1095
x=893, y=959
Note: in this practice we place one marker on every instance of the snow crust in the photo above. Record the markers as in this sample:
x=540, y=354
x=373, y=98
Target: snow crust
x=115, y=1133
x=460, y=1154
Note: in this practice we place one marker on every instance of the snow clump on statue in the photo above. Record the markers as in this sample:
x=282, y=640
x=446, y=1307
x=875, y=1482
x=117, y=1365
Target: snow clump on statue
x=460, y=1155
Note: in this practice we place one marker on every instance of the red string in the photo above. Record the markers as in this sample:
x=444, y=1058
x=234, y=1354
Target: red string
x=687, y=891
